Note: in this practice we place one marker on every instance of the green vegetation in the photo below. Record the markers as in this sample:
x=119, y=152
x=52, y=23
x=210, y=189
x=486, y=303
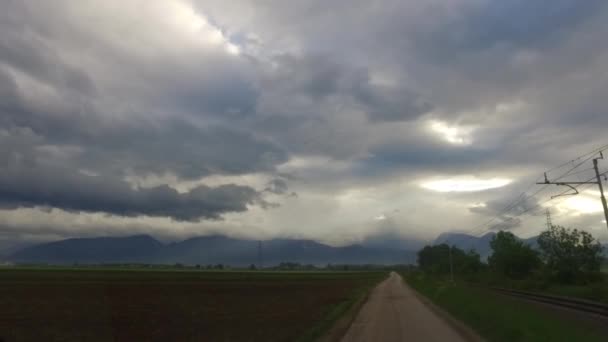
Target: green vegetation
x=98, y=304
x=500, y=318
x=567, y=263
x=570, y=256
x=436, y=260
x=512, y=258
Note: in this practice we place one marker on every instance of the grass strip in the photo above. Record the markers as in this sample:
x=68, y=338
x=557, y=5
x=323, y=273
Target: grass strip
x=499, y=318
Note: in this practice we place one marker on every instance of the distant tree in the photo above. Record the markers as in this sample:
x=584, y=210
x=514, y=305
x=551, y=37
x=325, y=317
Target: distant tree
x=571, y=255
x=252, y=267
x=469, y=262
x=289, y=266
x=219, y=267
x=436, y=260
x=511, y=256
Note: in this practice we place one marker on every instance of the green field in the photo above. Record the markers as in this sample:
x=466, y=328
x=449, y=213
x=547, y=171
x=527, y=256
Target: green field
x=143, y=305
x=500, y=318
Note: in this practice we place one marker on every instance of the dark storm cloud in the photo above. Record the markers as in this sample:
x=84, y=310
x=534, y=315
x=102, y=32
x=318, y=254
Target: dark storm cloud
x=494, y=30
x=390, y=103
x=23, y=186
x=55, y=119
x=424, y=156
x=170, y=145
x=533, y=23
x=321, y=77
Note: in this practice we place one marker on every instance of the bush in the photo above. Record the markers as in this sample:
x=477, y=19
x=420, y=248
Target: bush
x=511, y=257
x=571, y=256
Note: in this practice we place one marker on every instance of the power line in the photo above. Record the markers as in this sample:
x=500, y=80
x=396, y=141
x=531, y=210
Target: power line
x=559, y=195
x=575, y=173
x=522, y=197
x=594, y=151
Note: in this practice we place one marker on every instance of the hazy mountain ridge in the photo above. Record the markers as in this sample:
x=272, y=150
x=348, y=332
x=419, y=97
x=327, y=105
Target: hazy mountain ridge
x=205, y=250
x=481, y=244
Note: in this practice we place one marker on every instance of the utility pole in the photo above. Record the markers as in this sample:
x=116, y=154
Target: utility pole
x=451, y=266
x=598, y=181
x=260, y=263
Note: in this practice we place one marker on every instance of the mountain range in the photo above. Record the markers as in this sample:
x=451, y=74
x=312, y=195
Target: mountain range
x=218, y=249
x=481, y=244
x=214, y=249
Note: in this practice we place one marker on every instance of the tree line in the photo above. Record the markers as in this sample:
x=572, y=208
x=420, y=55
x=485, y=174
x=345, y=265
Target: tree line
x=568, y=256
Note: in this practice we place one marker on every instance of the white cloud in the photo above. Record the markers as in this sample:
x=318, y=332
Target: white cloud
x=453, y=134
x=465, y=184
x=587, y=202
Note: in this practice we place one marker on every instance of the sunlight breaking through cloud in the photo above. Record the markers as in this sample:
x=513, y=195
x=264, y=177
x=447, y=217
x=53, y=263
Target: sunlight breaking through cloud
x=585, y=203
x=457, y=135
x=465, y=184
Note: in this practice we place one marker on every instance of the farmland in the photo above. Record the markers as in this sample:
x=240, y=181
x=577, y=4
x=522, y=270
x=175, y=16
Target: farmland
x=143, y=305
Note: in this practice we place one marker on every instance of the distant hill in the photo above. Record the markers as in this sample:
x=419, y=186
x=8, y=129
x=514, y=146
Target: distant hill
x=466, y=242
x=481, y=244
x=392, y=241
x=205, y=250
x=138, y=248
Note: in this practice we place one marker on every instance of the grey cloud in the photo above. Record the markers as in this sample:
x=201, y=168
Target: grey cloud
x=148, y=146
x=508, y=212
x=277, y=186
x=324, y=76
x=524, y=204
x=507, y=223
x=23, y=186
x=389, y=103
x=425, y=155
x=138, y=101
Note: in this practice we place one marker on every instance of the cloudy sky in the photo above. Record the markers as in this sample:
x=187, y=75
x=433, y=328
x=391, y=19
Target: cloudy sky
x=336, y=121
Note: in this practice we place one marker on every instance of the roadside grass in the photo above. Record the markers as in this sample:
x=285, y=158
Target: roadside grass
x=597, y=291
x=496, y=317
x=594, y=291
x=140, y=305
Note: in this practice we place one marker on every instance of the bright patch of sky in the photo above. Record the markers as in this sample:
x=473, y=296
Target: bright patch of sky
x=453, y=134
x=465, y=184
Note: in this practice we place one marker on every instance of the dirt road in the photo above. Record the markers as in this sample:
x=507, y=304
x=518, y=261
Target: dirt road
x=394, y=313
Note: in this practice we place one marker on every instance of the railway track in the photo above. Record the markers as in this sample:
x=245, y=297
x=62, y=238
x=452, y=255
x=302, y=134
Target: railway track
x=571, y=303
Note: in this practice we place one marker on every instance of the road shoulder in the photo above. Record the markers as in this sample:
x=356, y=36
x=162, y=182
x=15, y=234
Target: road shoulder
x=461, y=328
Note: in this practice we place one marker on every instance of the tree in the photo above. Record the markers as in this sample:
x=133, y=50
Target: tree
x=570, y=255
x=511, y=256
x=436, y=259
